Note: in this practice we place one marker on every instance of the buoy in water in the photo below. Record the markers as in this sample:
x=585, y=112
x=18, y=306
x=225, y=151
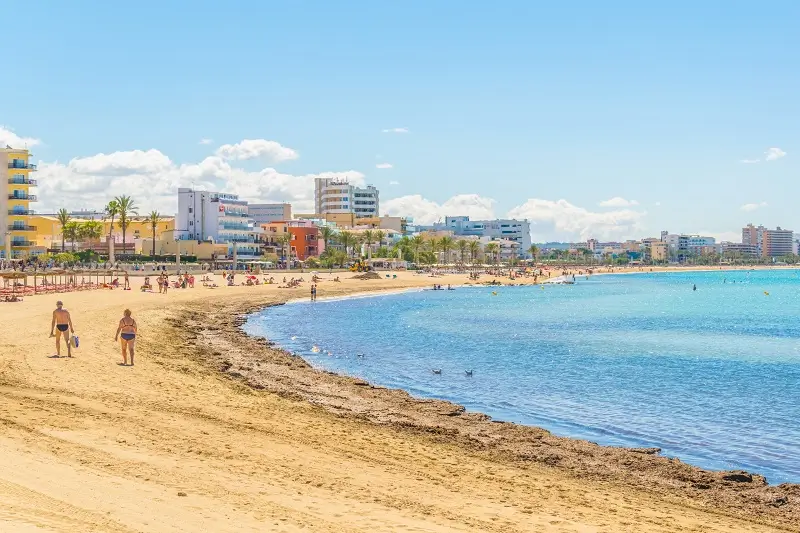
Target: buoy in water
x=766, y=293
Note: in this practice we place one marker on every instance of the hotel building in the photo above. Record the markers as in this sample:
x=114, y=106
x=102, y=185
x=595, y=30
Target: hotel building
x=337, y=196
x=768, y=242
x=518, y=231
x=219, y=217
x=16, y=231
x=263, y=213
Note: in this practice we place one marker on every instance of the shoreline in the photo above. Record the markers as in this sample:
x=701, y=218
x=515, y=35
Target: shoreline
x=735, y=493
x=214, y=430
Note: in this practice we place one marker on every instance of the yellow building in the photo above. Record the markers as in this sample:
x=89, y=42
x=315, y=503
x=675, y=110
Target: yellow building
x=17, y=234
x=47, y=230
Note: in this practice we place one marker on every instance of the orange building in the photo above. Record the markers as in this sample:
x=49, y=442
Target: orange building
x=304, y=236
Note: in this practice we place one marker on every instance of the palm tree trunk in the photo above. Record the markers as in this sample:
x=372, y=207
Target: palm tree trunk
x=154, y=241
x=63, y=241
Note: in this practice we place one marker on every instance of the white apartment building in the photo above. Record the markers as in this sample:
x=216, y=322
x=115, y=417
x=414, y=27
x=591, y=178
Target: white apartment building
x=518, y=231
x=337, y=195
x=218, y=217
x=682, y=245
x=265, y=213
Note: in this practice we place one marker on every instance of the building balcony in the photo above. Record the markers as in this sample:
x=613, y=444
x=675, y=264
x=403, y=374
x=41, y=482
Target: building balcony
x=19, y=243
x=21, y=212
x=21, y=181
x=26, y=197
x=22, y=228
x=21, y=166
x=236, y=227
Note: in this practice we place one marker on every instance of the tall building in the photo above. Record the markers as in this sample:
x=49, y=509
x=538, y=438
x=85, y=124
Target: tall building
x=681, y=245
x=338, y=196
x=518, y=231
x=216, y=216
x=16, y=231
x=263, y=213
x=769, y=242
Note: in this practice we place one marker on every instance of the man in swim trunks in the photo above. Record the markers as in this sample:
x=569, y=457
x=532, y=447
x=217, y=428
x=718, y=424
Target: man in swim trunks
x=61, y=325
x=127, y=333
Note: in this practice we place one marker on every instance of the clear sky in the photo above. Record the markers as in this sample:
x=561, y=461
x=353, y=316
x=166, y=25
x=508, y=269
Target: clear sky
x=543, y=110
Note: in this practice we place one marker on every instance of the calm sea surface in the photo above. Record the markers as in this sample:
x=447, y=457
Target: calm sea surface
x=711, y=376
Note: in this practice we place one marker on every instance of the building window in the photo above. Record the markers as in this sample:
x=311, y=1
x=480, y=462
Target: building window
x=190, y=210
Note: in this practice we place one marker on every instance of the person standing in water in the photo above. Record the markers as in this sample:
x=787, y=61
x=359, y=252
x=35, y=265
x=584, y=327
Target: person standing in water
x=126, y=332
x=61, y=325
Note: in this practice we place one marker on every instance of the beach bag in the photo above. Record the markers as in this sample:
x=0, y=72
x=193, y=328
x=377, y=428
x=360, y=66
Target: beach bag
x=75, y=341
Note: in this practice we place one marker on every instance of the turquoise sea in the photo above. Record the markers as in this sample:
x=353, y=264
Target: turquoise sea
x=711, y=376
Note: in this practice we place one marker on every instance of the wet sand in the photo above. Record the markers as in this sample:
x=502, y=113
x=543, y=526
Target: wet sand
x=216, y=431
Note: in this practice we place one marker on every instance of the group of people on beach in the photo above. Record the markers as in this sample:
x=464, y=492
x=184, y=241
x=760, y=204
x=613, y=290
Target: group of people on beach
x=61, y=327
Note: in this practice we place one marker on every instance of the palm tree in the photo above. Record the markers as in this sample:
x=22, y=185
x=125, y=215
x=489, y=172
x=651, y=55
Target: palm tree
x=154, y=218
x=474, y=251
x=369, y=238
x=534, y=251
x=63, y=218
x=379, y=236
x=90, y=230
x=111, y=211
x=445, y=245
x=416, y=243
x=348, y=240
x=328, y=234
x=462, y=246
x=492, y=248
x=284, y=240
x=71, y=231
x=127, y=208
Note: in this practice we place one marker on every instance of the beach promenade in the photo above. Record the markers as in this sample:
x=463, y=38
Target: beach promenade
x=211, y=431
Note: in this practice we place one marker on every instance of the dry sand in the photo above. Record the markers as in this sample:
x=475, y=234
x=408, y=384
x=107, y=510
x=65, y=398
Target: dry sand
x=214, y=431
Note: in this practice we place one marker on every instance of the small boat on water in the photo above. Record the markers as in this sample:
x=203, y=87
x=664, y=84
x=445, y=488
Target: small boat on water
x=562, y=280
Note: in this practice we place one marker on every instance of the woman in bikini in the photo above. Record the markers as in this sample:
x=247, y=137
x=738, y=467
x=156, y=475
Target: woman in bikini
x=126, y=332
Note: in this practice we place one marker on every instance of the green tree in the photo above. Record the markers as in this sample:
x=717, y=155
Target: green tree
x=284, y=242
x=127, y=209
x=369, y=238
x=446, y=244
x=111, y=212
x=153, y=219
x=328, y=235
x=534, y=251
x=493, y=249
x=416, y=243
x=474, y=251
x=379, y=236
x=348, y=240
x=63, y=219
x=463, y=247
x=71, y=231
x=91, y=230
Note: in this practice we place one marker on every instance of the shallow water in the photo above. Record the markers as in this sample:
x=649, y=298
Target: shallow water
x=711, y=376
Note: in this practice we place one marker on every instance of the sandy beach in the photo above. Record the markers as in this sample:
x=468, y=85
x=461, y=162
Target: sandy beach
x=216, y=431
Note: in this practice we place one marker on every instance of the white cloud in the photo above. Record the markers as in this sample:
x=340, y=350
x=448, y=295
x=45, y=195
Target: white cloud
x=753, y=207
x=561, y=220
x=9, y=138
x=383, y=165
x=426, y=211
x=206, y=141
x=153, y=179
x=773, y=153
x=749, y=161
x=658, y=203
x=618, y=201
x=394, y=183
x=256, y=148
x=396, y=130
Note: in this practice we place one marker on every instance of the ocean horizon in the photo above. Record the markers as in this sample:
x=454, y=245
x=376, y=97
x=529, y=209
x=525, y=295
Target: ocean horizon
x=710, y=376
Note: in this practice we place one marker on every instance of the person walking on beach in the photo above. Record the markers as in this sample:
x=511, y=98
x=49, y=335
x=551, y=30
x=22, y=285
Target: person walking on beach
x=127, y=284
x=126, y=333
x=61, y=325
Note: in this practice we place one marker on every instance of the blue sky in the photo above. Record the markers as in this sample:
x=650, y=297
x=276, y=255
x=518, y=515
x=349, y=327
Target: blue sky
x=537, y=109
